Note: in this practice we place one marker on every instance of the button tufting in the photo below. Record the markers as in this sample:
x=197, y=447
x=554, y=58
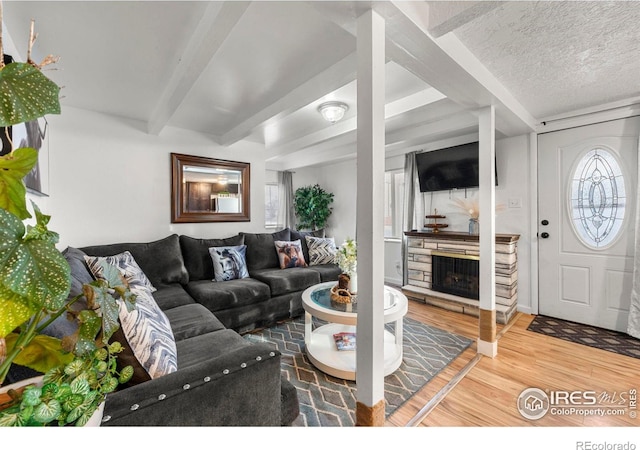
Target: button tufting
x=134, y=407
x=207, y=379
x=162, y=396
x=272, y=354
x=243, y=365
x=225, y=371
x=186, y=386
x=259, y=358
x=106, y=418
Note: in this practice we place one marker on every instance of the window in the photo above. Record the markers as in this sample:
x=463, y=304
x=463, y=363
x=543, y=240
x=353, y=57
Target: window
x=271, y=204
x=598, y=198
x=393, y=203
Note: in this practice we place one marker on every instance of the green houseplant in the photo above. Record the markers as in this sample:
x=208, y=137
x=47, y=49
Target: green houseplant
x=35, y=282
x=312, y=205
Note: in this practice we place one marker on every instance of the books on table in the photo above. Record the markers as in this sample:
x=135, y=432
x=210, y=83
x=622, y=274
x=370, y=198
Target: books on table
x=345, y=341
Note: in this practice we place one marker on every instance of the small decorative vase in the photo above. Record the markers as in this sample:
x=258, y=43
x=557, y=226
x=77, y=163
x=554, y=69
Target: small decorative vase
x=353, y=284
x=474, y=226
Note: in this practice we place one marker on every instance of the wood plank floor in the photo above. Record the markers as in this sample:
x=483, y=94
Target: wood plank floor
x=487, y=394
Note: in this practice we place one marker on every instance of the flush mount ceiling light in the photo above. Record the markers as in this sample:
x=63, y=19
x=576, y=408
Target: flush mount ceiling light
x=333, y=111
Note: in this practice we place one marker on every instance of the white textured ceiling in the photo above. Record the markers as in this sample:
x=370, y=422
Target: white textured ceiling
x=258, y=70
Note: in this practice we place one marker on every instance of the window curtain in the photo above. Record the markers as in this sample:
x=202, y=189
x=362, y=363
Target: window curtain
x=409, y=220
x=634, y=310
x=286, y=211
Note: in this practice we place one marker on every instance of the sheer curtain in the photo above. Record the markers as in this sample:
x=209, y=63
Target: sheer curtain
x=409, y=221
x=286, y=212
x=634, y=311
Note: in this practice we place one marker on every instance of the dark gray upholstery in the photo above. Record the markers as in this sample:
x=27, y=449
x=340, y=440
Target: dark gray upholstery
x=218, y=295
x=196, y=255
x=284, y=281
x=261, y=249
x=161, y=260
x=229, y=380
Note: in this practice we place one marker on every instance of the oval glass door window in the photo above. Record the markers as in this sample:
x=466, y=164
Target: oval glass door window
x=597, y=198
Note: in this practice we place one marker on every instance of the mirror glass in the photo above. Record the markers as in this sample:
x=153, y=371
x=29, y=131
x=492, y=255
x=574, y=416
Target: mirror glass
x=209, y=190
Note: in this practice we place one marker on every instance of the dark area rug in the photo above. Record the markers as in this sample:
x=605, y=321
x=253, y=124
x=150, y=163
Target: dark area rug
x=612, y=341
x=329, y=401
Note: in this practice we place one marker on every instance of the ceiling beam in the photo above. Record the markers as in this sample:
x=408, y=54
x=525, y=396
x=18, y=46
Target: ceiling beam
x=332, y=78
x=450, y=67
x=217, y=22
x=395, y=108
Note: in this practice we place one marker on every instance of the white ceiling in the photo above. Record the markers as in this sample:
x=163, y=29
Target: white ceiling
x=258, y=70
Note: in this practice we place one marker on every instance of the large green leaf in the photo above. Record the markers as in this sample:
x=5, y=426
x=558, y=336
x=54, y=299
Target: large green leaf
x=33, y=269
x=13, y=168
x=14, y=311
x=26, y=94
x=42, y=354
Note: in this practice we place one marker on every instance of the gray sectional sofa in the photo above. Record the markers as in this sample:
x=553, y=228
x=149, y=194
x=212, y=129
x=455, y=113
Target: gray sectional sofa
x=222, y=379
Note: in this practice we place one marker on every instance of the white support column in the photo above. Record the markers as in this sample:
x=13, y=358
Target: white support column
x=369, y=213
x=487, y=343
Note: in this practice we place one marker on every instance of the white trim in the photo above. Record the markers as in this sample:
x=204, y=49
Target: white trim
x=533, y=225
x=589, y=116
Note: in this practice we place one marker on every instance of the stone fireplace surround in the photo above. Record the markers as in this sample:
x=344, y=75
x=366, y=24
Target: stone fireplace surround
x=421, y=245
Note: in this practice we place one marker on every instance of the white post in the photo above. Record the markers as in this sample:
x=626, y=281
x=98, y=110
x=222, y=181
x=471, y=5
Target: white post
x=487, y=343
x=370, y=218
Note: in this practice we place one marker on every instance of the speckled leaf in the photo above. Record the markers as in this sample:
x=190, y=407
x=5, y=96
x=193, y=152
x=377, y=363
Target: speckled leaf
x=14, y=310
x=26, y=94
x=98, y=295
x=40, y=230
x=13, y=168
x=33, y=269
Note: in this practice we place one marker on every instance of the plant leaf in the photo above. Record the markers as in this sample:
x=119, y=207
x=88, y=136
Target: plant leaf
x=13, y=168
x=47, y=412
x=99, y=294
x=85, y=337
x=42, y=353
x=32, y=268
x=40, y=231
x=14, y=311
x=26, y=94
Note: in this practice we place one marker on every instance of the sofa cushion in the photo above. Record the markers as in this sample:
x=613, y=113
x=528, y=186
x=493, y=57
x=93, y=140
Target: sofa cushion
x=192, y=320
x=197, y=259
x=261, y=251
x=327, y=272
x=229, y=263
x=149, y=344
x=321, y=250
x=171, y=296
x=283, y=281
x=290, y=254
x=230, y=294
x=205, y=347
x=160, y=260
x=295, y=234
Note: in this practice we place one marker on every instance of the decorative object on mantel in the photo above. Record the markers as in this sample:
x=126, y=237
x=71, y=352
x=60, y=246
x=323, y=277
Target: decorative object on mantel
x=470, y=206
x=347, y=260
x=435, y=226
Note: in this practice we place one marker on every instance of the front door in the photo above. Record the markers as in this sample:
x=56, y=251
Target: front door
x=587, y=183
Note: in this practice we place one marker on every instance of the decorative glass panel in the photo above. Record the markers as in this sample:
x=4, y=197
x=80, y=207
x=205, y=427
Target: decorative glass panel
x=598, y=198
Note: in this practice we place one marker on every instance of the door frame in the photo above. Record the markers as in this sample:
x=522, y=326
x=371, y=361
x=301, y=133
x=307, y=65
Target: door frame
x=615, y=111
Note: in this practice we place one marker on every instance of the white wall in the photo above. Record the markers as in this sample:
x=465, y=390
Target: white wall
x=512, y=156
x=110, y=181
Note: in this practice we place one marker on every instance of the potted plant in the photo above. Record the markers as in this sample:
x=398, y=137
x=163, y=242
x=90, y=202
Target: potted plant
x=35, y=282
x=347, y=260
x=312, y=207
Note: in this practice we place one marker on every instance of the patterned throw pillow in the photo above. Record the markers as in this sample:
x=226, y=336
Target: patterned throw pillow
x=229, y=263
x=321, y=250
x=290, y=254
x=146, y=329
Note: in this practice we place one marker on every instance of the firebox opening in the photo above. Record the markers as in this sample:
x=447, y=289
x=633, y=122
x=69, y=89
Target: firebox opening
x=456, y=274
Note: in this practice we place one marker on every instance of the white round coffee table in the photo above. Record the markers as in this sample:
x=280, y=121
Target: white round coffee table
x=320, y=344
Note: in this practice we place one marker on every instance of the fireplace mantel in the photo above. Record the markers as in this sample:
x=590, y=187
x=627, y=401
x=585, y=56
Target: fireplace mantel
x=421, y=245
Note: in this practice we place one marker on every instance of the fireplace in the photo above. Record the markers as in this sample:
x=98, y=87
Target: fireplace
x=456, y=274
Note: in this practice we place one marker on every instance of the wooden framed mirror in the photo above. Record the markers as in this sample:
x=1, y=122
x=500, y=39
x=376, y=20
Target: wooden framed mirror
x=209, y=190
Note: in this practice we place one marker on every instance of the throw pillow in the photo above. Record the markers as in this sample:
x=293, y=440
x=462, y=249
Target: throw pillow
x=290, y=254
x=229, y=263
x=321, y=250
x=149, y=343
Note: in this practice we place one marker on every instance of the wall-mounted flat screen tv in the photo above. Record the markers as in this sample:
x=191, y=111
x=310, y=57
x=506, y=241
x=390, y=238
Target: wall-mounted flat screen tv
x=449, y=168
